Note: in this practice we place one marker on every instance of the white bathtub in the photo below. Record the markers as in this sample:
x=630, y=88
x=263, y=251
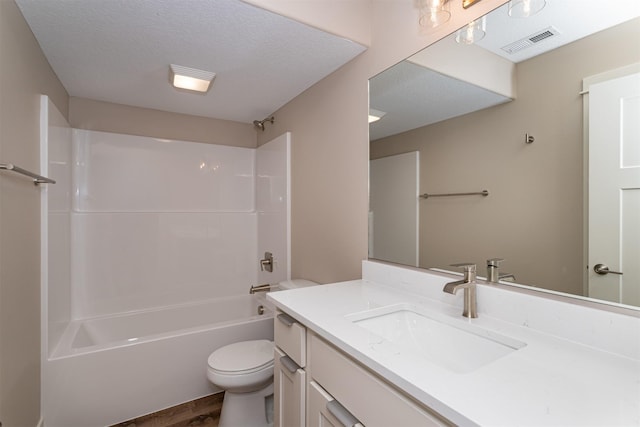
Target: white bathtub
x=110, y=369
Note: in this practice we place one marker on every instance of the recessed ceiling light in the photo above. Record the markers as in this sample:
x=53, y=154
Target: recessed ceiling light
x=375, y=115
x=190, y=78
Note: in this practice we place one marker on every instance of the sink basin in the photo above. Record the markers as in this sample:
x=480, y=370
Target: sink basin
x=456, y=346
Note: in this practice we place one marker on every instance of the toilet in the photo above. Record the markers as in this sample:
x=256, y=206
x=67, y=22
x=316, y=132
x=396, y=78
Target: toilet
x=245, y=371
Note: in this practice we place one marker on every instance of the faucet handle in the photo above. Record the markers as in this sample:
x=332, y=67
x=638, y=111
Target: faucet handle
x=469, y=269
x=494, y=262
x=467, y=266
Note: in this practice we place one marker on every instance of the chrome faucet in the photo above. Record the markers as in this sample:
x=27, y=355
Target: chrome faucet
x=493, y=274
x=493, y=271
x=258, y=288
x=468, y=283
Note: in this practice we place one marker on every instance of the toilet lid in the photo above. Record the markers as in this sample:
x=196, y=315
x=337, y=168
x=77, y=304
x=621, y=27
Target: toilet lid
x=242, y=356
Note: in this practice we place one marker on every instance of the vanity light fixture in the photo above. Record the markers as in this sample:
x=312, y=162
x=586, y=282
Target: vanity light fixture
x=469, y=3
x=190, y=78
x=525, y=8
x=433, y=13
x=473, y=32
x=375, y=115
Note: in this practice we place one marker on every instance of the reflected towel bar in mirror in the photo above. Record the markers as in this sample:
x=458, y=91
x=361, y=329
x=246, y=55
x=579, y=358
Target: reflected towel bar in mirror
x=478, y=193
x=37, y=179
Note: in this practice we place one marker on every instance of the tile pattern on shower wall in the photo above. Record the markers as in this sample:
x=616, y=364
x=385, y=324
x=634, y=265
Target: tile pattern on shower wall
x=158, y=223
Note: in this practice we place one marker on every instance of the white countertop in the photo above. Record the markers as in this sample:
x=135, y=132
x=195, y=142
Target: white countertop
x=553, y=380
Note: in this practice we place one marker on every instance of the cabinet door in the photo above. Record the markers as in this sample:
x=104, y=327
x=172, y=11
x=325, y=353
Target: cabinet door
x=319, y=412
x=289, y=392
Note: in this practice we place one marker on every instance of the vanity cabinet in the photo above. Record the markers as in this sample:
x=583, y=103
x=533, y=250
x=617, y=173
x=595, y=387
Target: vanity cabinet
x=316, y=385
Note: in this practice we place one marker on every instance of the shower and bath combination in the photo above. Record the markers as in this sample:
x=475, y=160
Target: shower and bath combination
x=259, y=124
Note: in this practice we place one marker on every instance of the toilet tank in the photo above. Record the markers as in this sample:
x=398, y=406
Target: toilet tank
x=294, y=284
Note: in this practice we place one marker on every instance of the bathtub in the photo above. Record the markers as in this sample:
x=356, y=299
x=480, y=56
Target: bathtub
x=110, y=369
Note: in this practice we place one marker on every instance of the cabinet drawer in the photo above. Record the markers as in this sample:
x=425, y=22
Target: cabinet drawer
x=372, y=401
x=290, y=336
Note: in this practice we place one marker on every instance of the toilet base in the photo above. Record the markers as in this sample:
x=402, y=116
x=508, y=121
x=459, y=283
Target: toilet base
x=254, y=409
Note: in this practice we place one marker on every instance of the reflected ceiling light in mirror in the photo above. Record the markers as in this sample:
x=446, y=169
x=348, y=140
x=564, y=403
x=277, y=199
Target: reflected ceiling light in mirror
x=375, y=115
x=433, y=13
x=472, y=32
x=525, y=8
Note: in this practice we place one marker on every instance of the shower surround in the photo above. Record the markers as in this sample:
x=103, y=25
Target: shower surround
x=142, y=225
x=156, y=223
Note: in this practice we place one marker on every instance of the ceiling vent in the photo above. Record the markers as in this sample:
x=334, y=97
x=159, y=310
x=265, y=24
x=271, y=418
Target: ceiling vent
x=530, y=40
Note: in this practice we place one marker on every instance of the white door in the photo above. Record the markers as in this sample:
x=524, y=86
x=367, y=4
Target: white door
x=393, y=208
x=614, y=189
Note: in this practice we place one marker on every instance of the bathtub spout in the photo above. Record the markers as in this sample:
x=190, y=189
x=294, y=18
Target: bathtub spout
x=260, y=288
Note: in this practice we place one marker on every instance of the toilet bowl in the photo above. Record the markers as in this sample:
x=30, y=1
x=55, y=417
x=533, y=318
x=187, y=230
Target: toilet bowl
x=245, y=371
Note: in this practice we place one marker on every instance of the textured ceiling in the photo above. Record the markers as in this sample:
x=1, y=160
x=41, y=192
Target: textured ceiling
x=413, y=96
x=120, y=50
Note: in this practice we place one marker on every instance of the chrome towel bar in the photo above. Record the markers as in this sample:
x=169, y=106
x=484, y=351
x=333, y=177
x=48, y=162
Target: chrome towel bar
x=478, y=193
x=37, y=179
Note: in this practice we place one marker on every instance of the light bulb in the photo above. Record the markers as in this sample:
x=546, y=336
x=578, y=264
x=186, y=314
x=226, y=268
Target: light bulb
x=434, y=13
x=525, y=8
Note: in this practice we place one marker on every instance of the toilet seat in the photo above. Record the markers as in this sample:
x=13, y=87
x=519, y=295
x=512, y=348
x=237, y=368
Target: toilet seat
x=242, y=358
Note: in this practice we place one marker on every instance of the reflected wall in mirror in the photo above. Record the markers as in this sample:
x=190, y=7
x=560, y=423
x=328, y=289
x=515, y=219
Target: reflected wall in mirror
x=465, y=110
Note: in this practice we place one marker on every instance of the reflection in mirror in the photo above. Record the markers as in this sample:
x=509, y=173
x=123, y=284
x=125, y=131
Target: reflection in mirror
x=463, y=115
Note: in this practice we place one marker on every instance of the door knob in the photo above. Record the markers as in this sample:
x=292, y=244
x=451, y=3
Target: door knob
x=603, y=269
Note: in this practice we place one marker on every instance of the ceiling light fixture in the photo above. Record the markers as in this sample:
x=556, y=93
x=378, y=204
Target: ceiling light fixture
x=433, y=13
x=190, y=78
x=473, y=32
x=375, y=115
x=525, y=8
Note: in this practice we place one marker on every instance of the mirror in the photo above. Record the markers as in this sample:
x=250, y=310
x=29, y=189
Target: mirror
x=505, y=115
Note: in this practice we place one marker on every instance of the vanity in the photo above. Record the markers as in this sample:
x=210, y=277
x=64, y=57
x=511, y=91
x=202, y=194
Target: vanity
x=394, y=349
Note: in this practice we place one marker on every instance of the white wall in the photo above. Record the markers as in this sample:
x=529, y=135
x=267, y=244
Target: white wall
x=159, y=222
x=56, y=163
x=273, y=193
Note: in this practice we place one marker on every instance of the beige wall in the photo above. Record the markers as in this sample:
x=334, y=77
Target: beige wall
x=533, y=215
x=330, y=145
x=24, y=75
x=108, y=117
